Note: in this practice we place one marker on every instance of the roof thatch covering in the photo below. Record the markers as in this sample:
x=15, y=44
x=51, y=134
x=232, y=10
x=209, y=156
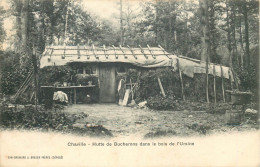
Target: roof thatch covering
x=148, y=57
x=143, y=57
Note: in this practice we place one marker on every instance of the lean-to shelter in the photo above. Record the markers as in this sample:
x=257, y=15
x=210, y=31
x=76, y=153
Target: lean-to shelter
x=106, y=63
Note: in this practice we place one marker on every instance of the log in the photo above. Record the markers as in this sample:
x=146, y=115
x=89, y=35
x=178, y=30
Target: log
x=161, y=87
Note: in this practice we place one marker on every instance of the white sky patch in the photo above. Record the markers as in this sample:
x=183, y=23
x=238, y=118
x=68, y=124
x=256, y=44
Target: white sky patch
x=102, y=8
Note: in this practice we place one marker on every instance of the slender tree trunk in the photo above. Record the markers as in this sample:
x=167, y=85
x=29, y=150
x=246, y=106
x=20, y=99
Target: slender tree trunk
x=241, y=42
x=204, y=20
x=121, y=23
x=156, y=25
x=18, y=25
x=233, y=30
x=229, y=37
x=170, y=27
x=24, y=29
x=246, y=34
x=51, y=15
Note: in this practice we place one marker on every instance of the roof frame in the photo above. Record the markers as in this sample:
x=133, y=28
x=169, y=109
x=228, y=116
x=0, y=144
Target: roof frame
x=142, y=50
x=115, y=52
x=151, y=51
x=132, y=52
x=123, y=52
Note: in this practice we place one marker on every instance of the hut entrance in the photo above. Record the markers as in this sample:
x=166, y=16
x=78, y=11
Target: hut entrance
x=107, y=77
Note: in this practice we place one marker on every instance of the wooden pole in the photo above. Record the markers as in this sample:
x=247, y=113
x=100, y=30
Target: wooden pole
x=123, y=52
x=180, y=73
x=143, y=52
x=131, y=89
x=150, y=51
x=207, y=78
x=229, y=74
x=78, y=51
x=214, y=75
x=105, y=51
x=115, y=51
x=132, y=52
x=222, y=83
x=161, y=87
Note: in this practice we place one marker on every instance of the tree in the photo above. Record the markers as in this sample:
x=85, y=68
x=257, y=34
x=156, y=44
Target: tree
x=204, y=20
x=2, y=31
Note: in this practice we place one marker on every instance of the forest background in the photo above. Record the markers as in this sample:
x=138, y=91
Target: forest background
x=231, y=37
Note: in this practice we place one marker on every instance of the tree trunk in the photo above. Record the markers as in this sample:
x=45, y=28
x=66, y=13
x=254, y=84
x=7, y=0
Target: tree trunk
x=121, y=23
x=204, y=20
x=246, y=34
x=241, y=42
x=229, y=37
x=24, y=24
x=18, y=11
x=233, y=30
x=156, y=25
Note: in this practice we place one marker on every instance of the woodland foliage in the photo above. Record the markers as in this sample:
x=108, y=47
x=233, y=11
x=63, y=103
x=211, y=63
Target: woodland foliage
x=173, y=24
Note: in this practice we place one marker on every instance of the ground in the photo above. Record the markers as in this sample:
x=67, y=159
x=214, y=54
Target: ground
x=127, y=121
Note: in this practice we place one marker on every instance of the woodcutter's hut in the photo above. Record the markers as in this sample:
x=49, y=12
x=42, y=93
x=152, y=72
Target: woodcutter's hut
x=106, y=63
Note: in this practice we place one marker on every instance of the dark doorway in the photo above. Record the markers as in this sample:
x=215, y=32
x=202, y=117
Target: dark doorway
x=107, y=77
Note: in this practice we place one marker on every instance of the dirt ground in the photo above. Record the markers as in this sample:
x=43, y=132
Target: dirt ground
x=127, y=121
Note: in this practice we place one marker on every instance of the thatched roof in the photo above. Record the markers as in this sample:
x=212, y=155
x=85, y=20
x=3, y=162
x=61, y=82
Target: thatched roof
x=144, y=57
x=148, y=57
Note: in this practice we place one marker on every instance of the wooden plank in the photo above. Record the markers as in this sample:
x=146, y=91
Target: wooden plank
x=180, y=73
x=29, y=77
x=214, y=77
x=151, y=51
x=131, y=86
x=127, y=92
x=132, y=52
x=161, y=87
x=222, y=84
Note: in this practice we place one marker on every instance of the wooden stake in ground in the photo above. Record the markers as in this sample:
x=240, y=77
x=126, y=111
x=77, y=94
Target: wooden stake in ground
x=161, y=87
x=222, y=83
x=229, y=74
x=214, y=75
x=180, y=73
x=131, y=89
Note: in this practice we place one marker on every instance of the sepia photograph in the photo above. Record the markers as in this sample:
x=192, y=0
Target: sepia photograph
x=129, y=83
